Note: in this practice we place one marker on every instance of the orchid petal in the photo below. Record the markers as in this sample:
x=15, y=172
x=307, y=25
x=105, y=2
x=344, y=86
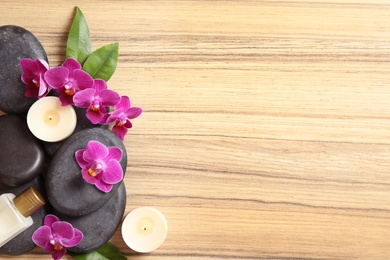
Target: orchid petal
x=113, y=172
x=57, y=77
x=114, y=116
x=49, y=247
x=99, y=85
x=63, y=229
x=114, y=153
x=42, y=235
x=27, y=79
x=82, y=79
x=104, y=119
x=42, y=91
x=105, y=187
x=50, y=219
x=42, y=65
x=95, y=150
x=71, y=64
x=120, y=131
x=128, y=124
x=117, y=112
x=109, y=119
x=95, y=116
x=123, y=103
x=78, y=236
x=133, y=112
x=31, y=90
x=109, y=97
x=43, y=88
x=29, y=68
x=80, y=159
x=66, y=100
x=87, y=177
x=84, y=97
x=58, y=254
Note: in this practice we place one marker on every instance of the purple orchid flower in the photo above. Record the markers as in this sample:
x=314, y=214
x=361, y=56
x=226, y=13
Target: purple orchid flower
x=95, y=99
x=100, y=165
x=121, y=116
x=55, y=236
x=33, y=77
x=68, y=79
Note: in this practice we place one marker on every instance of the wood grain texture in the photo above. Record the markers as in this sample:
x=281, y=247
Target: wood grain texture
x=266, y=124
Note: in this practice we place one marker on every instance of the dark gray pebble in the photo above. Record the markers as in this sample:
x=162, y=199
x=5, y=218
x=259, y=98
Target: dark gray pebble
x=21, y=154
x=22, y=243
x=67, y=191
x=16, y=43
x=99, y=226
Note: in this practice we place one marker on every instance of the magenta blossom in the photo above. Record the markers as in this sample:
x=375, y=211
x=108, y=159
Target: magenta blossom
x=100, y=165
x=95, y=99
x=68, y=79
x=33, y=77
x=55, y=236
x=121, y=116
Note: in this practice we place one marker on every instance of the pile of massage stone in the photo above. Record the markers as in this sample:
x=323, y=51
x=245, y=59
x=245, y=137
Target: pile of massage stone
x=51, y=167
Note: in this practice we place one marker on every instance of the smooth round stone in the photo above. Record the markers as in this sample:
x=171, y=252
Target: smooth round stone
x=99, y=226
x=83, y=122
x=16, y=43
x=21, y=154
x=22, y=243
x=67, y=191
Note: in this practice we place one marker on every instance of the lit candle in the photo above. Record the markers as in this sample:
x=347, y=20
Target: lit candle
x=49, y=121
x=144, y=229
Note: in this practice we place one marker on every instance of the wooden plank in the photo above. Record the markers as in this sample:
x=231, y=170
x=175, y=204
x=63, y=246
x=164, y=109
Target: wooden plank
x=265, y=131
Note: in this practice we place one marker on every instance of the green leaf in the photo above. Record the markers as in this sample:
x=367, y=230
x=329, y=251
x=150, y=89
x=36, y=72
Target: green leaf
x=79, y=41
x=106, y=252
x=102, y=62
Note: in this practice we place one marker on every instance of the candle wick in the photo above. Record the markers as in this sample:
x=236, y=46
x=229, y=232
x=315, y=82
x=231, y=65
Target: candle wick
x=144, y=228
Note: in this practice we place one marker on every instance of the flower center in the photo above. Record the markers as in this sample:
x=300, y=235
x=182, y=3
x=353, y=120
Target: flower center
x=36, y=82
x=69, y=92
x=69, y=89
x=93, y=171
x=56, y=245
x=122, y=120
x=95, y=106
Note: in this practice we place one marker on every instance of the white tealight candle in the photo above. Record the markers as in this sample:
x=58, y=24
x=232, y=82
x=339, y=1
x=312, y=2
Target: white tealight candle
x=49, y=121
x=144, y=229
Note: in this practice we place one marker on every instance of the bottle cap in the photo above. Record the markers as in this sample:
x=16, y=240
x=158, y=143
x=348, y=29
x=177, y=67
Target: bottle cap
x=29, y=201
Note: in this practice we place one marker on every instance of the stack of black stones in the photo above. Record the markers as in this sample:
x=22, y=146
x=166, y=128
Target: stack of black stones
x=50, y=167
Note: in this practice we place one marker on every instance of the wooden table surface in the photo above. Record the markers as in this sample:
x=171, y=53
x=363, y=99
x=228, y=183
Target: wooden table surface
x=266, y=124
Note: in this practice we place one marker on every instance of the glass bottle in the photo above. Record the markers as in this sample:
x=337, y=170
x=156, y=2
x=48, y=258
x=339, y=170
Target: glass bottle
x=16, y=211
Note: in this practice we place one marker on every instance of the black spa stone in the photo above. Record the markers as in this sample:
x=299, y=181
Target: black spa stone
x=82, y=123
x=99, y=226
x=67, y=191
x=16, y=43
x=22, y=243
x=21, y=155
